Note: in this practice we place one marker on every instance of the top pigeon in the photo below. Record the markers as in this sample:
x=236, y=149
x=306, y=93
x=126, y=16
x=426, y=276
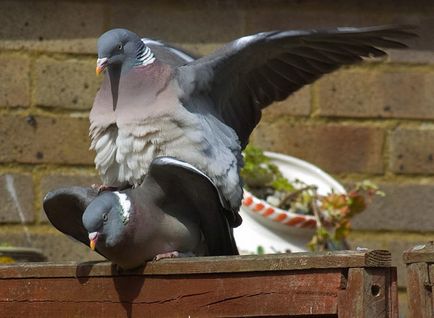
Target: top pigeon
x=156, y=100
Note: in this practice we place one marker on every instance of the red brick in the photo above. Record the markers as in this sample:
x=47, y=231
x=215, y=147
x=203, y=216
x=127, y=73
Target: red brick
x=420, y=48
x=411, y=56
x=16, y=197
x=14, y=81
x=318, y=14
x=185, y=22
x=67, y=84
x=352, y=93
x=337, y=148
x=278, y=15
x=54, y=181
x=55, y=26
x=357, y=92
x=199, y=49
x=40, y=139
x=406, y=207
x=298, y=104
x=412, y=150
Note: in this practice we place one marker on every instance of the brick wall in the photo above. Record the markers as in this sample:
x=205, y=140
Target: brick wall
x=374, y=120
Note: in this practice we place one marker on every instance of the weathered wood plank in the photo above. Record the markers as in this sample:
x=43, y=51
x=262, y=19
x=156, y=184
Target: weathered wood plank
x=310, y=292
x=419, y=292
x=393, y=303
x=203, y=265
x=420, y=278
x=370, y=293
x=430, y=287
x=420, y=254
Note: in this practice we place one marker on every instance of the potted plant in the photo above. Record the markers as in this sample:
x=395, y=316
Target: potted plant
x=290, y=204
x=13, y=254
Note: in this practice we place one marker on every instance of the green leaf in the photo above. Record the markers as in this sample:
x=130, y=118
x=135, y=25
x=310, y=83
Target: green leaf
x=342, y=231
x=357, y=204
x=336, y=210
x=283, y=185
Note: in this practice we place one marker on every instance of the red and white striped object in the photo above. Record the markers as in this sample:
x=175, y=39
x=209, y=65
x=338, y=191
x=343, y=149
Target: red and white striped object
x=286, y=217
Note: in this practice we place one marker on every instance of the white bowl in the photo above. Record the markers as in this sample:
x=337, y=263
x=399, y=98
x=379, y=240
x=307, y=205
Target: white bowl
x=274, y=229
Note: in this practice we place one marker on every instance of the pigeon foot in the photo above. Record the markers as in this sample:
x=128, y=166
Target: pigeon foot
x=174, y=254
x=104, y=187
x=166, y=255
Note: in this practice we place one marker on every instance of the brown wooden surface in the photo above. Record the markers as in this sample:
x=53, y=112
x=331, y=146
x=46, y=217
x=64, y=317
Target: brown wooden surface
x=421, y=253
x=430, y=287
x=419, y=291
x=285, y=293
x=290, y=285
x=203, y=265
x=393, y=292
x=420, y=278
x=370, y=292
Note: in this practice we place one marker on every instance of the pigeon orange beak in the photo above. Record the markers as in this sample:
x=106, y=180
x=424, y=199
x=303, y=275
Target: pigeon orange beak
x=101, y=65
x=93, y=238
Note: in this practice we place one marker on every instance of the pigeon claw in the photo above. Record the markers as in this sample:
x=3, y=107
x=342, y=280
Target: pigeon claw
x=166, y=255
x=103, y=187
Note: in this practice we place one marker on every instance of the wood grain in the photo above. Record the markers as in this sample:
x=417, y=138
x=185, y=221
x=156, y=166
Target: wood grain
x=312, y=292
x=331, y=284
x=420, y=278
x=429, y=287
x=203, y=265
x=419, y=294
x=370, y=293
x=421, y=253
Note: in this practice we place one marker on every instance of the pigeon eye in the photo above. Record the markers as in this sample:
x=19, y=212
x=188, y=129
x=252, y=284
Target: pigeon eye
x=105, y=217
x=120, y=46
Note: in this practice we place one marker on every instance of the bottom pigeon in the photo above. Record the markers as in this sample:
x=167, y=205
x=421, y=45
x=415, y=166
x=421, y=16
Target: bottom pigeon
x=176, y=211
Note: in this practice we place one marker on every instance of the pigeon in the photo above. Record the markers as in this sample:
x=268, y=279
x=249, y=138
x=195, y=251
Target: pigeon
x=166, y=216
x=157, y=100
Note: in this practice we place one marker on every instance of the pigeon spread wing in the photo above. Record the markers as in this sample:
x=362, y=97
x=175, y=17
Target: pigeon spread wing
x=250, y=73
x=207, y=204
x=169, y=54
x=65, y=207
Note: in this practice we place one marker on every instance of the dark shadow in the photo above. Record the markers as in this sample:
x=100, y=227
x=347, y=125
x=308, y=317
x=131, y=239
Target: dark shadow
x=82, y=271
x=128, y=284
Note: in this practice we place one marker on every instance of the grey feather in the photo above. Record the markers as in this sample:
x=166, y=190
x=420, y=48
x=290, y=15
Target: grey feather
x=63, y=208
x=247, y=56
x=169, y=54
x=165, y=214
x=203, y=110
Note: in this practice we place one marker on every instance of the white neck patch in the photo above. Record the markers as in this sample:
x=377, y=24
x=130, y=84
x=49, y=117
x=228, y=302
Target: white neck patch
x=146, y=57
x=125, y=204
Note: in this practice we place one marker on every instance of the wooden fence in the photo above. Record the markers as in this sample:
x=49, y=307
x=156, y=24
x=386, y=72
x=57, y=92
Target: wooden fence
x=351, y=284
x=420, y=280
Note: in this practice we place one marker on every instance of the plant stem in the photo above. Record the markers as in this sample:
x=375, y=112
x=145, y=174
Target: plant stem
x=315, y=209
x=294, y=194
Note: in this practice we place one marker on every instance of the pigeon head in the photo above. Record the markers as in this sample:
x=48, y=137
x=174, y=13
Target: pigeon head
x=105, y=218
x=120, y=48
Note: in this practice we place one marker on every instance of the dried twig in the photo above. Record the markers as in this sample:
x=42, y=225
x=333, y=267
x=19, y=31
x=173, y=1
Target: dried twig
x=293, y=195
x=315, y=209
